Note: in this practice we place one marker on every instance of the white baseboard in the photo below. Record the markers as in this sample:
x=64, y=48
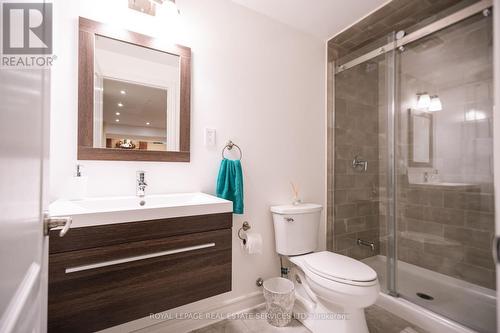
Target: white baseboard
x=169, y=321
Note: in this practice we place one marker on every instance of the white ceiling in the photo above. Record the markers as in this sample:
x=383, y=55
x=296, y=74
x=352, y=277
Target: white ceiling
x=141, y=104
x=320, y=18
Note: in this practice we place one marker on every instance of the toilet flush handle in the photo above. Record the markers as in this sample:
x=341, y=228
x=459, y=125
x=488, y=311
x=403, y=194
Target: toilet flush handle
x=289, y=219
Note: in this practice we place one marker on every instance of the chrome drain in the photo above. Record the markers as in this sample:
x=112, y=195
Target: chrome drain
x=425, y=296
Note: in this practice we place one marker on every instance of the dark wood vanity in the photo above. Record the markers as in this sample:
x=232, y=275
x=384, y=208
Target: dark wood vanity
x=104, y=275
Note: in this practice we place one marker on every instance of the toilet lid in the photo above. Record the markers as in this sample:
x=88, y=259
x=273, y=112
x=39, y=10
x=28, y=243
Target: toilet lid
x=303, y=208
x=335, y=266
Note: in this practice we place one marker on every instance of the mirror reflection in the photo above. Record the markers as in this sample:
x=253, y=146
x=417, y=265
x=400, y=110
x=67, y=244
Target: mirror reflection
x=136, y=100
x=420, y=138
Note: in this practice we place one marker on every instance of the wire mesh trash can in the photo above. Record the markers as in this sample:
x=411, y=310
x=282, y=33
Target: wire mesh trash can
x=280, y=296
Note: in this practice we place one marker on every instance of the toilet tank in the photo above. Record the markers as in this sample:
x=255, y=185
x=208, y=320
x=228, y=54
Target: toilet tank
x=296, y=228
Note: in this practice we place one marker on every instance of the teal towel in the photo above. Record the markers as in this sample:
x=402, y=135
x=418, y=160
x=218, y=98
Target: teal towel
x=230, y=183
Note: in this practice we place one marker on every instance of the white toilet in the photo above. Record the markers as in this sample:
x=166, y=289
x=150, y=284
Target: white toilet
x=331, y=290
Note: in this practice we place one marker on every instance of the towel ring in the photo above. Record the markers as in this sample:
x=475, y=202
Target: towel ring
x=229, y=145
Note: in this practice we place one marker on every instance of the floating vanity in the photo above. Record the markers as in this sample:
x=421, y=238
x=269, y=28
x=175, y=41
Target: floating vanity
x=123, y=259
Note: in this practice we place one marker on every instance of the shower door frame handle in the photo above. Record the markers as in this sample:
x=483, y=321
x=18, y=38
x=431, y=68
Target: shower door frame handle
x=496, y=249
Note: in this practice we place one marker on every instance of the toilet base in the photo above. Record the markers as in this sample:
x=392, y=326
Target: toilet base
x=321, y=316
x=323, y=320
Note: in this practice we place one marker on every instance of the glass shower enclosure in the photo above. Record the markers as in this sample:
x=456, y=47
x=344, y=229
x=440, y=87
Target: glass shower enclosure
x=413, y=165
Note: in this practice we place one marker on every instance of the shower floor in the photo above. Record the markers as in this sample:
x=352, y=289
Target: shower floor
x=461, y=301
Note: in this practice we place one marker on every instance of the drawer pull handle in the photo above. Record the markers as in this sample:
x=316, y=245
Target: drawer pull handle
x=136, y=258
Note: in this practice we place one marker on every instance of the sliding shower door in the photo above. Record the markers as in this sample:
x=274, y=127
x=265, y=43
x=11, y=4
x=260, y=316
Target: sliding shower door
x=444, y=172
x=413, y=165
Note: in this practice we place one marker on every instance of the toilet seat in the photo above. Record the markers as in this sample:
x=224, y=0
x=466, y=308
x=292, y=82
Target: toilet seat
x=338, y=268
x=334, y=291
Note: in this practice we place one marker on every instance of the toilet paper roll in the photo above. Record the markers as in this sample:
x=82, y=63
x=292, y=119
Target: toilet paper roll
x=253, y=244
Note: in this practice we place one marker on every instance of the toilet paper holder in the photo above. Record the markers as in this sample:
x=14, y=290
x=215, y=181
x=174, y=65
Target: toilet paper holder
x=244, y=227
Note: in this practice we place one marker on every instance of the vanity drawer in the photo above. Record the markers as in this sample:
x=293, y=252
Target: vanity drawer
x=118, y=233
x=95, y=288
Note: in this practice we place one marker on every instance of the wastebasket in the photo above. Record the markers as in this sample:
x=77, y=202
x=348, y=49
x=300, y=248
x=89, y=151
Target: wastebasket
x=280, y=296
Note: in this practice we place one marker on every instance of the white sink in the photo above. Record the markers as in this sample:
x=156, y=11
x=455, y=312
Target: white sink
x=108, y=210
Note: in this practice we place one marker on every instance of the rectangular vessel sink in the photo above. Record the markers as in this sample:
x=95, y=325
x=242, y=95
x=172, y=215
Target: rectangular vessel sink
x=108, y=210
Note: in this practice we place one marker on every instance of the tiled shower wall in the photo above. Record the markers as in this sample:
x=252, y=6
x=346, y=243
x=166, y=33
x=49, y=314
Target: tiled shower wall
x=356, y=194
x=444, y=228
x=448, y=229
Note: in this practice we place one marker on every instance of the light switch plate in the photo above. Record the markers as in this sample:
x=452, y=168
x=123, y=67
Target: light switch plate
x=210, y=137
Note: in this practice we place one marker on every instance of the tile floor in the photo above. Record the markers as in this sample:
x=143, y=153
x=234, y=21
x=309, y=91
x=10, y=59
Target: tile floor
x=379, y=321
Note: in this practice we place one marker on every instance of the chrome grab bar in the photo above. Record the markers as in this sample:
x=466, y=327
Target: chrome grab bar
x=370, y=244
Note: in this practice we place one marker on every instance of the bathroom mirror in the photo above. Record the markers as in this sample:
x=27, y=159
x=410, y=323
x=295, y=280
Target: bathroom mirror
x=134, y=93
x=420, y=131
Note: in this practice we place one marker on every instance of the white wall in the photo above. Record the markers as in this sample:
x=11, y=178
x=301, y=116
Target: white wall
x=135, y=132
x=258, y=82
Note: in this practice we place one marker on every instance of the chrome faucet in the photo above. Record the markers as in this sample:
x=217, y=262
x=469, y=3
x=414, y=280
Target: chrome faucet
x=426, y=177
x=141, y=184
x=431, y=177
x=359, y=162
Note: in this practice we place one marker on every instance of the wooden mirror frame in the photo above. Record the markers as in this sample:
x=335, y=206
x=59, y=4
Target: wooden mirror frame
x=88, y=30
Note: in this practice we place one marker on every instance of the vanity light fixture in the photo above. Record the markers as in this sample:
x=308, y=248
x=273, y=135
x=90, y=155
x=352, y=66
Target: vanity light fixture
x=149, y=6
x=170, y=4
x=120, y=104
x=435, y=104
x=117, y=113
x=117, y=120
x=123, y=92
x=148, y=123
x=423, y=101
